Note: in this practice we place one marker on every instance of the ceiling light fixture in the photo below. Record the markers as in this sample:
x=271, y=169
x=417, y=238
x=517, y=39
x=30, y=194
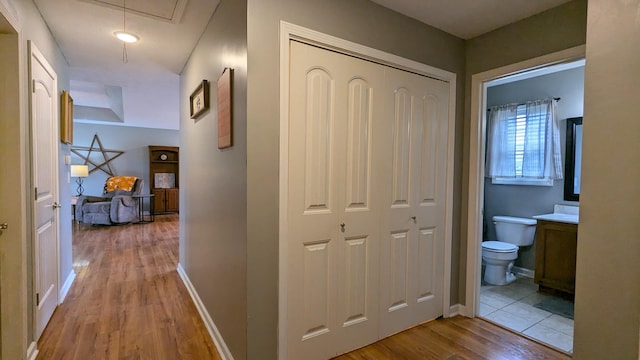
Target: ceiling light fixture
x=126, y=37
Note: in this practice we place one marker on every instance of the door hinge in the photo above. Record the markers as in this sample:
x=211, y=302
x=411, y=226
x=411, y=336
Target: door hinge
x=37, y=299
x=36, y=193
x=33, y=86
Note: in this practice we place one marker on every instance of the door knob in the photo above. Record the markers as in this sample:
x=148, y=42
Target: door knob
x=55, y=205
x=4, y=226
x=414, y=219
x=342, y=227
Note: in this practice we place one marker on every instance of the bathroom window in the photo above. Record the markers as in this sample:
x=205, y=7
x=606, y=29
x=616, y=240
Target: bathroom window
x=523, y=144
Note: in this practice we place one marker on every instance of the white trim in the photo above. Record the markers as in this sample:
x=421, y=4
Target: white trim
x=457, y=309
x=217, y=338
x=289, y=32
x=285, y=34
x=476, y=159
x=522, y=181
x=64, y=289
x=32, y=351
x=523, y=272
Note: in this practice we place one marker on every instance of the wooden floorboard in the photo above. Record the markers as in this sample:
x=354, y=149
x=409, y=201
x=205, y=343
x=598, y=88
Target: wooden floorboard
x=127, y=301
x=457, y=338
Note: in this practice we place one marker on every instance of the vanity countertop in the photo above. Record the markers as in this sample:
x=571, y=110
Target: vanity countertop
x=562, y=213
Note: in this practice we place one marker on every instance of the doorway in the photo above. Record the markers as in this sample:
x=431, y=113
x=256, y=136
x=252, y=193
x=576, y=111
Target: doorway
x=516, y=305
x=14, y=302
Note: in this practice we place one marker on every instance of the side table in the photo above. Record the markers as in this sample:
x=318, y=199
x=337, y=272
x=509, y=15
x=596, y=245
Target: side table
x=141, y=216
x=74, y=201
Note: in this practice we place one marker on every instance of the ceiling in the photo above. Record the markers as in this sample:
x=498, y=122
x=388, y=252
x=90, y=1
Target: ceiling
x=149, y=80
x=144, y=91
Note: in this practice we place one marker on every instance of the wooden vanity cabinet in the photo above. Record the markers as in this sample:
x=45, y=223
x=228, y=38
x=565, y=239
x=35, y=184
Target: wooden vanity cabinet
x=556, y=244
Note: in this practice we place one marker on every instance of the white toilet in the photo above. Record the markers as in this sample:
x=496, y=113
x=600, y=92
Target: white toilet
x=498, y=256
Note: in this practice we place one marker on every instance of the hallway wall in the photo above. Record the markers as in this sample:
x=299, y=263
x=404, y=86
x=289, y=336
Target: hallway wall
x=607, y=307
x=213, y=192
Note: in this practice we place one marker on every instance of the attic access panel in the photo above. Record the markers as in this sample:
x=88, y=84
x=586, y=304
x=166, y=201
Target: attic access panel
x=163, y=10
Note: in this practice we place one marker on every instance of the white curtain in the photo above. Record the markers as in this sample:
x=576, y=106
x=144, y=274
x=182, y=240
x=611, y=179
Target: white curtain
x=542, y=157
x=531, y=137
x=501, y=142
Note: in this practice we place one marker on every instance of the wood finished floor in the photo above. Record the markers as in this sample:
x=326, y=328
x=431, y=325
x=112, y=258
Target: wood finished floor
x=127, y=301
x=457, y=338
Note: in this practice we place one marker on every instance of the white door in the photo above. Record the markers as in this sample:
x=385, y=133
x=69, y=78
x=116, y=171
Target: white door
x=332, y=251
x=44, y=135
x=367, y=154
x=417, y=108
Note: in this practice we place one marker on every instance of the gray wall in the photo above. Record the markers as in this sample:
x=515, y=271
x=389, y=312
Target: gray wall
x=607, y=307
x=526, y=201
x=213, y=195
x=359, y=21
x=557, y=29
x=133, y=141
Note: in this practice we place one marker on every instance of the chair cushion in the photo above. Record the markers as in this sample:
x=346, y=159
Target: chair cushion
x=97, y=208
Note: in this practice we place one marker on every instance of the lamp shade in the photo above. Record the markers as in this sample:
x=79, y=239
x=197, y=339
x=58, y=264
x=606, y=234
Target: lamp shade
x=79, y=170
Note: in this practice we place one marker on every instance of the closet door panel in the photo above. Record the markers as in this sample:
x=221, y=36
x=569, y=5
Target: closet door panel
x=333, y=249
x=358, y=157
x=318, y=136
x=357, y=272
x=312, y=215
x=402, y=116
x=414, y=202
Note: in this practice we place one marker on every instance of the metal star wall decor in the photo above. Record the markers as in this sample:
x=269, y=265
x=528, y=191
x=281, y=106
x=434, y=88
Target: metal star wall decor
x=105, y=165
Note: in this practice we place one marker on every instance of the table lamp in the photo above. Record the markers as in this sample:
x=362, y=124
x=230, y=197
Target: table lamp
x=79, y=172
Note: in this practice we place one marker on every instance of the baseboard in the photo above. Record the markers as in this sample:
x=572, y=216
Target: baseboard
x=523, y=272
x=221, y=346
x=32, y=351
x=457, y=309
x=66, y=286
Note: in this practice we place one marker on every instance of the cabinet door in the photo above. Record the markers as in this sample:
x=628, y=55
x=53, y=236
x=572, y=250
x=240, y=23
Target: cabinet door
x=556, y=256
x=171, y=200
x=159, y=200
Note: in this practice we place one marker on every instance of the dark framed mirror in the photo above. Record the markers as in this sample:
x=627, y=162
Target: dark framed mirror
x=573, y=159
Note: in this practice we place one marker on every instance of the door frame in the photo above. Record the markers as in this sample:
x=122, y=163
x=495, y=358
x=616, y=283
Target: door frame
x=477, y=145
x=289, y=31
x=15, y=327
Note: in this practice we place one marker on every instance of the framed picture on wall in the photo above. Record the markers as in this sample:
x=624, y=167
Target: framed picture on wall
x=225, y=107
x=66, y=118
x=199, y=99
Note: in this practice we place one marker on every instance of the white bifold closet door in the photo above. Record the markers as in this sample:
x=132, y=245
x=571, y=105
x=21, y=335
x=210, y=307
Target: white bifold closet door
x=367, y=165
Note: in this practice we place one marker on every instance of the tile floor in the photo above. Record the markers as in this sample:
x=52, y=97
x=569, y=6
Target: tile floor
x=511, y=306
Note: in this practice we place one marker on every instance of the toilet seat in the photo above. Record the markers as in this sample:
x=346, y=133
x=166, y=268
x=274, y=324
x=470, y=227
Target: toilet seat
x=499, y=246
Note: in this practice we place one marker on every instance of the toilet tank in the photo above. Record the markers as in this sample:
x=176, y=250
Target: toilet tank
x=515, y=230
